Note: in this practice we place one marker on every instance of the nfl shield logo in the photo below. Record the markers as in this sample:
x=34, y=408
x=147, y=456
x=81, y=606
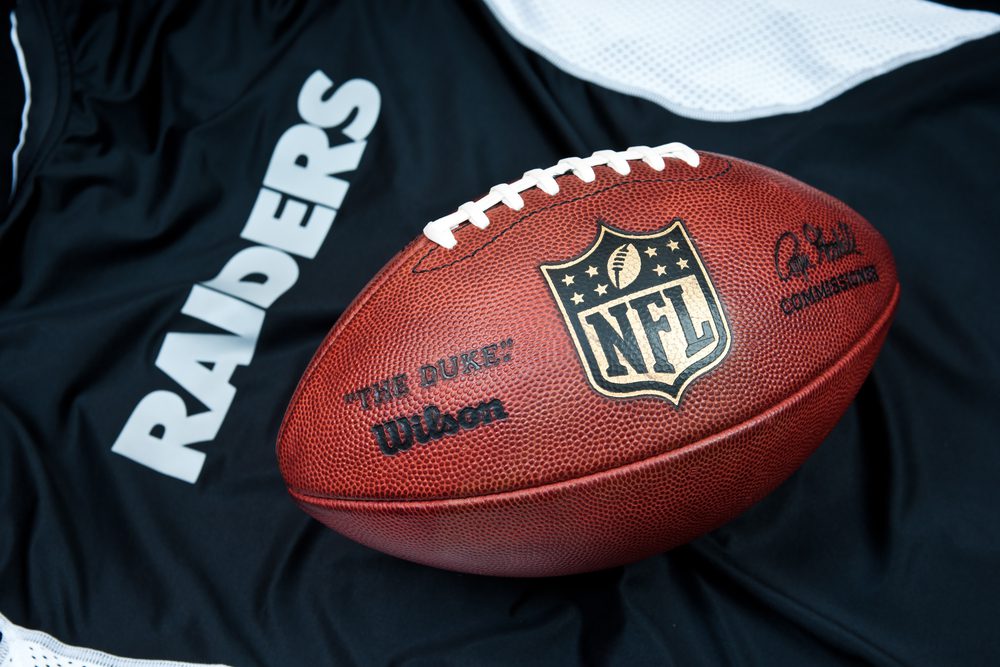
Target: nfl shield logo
x=642, y=312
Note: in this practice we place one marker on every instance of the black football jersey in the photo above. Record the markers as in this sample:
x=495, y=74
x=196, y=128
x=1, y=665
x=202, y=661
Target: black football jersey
x=198, y=190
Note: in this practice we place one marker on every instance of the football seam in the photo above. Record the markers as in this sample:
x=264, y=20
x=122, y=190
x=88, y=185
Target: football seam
x=417, y=270
x=414, y=503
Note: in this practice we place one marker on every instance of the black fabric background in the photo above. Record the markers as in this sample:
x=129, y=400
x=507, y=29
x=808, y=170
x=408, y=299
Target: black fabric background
x=883, y=549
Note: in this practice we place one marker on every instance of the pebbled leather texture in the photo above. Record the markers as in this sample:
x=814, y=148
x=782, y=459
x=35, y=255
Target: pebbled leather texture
x=570, y=479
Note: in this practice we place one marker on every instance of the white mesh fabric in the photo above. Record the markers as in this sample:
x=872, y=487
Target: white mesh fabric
x=20, y=647
x=736, y=60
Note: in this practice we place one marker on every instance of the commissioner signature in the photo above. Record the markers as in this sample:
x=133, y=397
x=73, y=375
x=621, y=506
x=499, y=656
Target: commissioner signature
x=794, y=259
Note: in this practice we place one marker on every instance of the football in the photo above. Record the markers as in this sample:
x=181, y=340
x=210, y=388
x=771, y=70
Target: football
x=592, y=364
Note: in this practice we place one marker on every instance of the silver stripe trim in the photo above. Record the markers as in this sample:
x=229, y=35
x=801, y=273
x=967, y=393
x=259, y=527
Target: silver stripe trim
x=16, y=43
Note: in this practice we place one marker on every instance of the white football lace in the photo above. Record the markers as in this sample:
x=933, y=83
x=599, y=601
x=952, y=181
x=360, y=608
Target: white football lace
x=474, y=212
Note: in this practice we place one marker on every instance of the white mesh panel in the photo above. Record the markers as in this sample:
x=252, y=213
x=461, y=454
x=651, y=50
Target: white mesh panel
x=29, y=648
x=736, y=60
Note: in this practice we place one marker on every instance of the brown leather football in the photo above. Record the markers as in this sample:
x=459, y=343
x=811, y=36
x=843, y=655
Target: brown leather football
x=590, y=365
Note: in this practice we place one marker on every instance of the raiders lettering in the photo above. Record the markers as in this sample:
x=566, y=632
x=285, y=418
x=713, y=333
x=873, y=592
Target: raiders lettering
x=302, y=191
x=642, y=312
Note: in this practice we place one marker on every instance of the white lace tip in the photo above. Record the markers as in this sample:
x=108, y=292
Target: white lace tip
x=440, y=235
x=680, y=151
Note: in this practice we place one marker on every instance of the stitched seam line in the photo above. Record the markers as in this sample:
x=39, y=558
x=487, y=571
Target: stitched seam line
x=865, y=338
